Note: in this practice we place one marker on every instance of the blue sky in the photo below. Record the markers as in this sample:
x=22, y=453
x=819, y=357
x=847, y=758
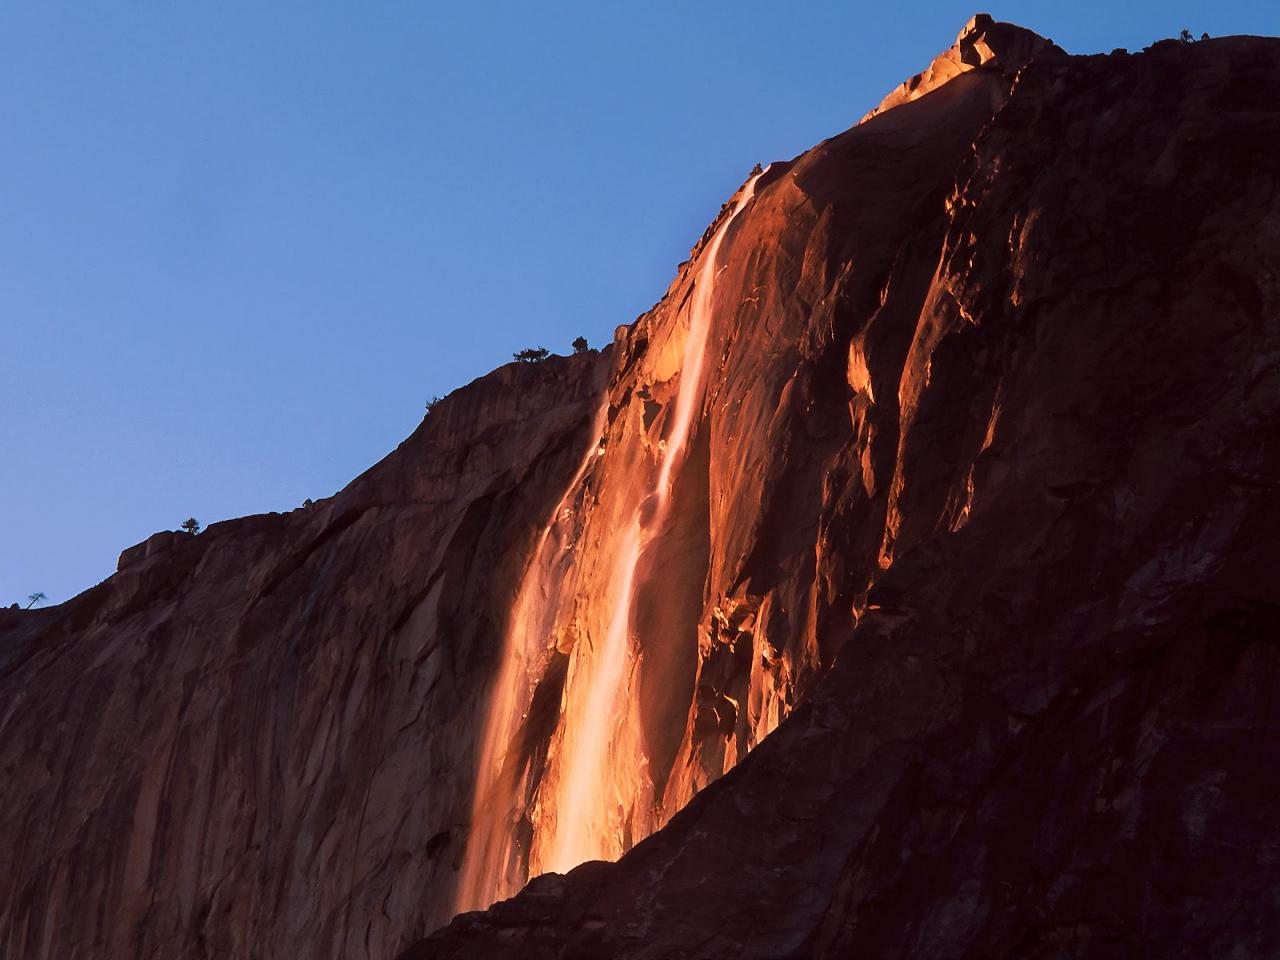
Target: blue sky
x=241, y=244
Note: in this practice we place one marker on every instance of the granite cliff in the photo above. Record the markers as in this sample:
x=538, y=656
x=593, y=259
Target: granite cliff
x=904, y=584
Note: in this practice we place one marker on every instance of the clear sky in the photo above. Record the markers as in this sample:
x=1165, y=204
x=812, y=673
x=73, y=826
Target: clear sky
x=242, y=243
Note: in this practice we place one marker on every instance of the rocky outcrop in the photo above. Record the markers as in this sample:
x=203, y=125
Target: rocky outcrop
x=983, y=43
x=153, y=546
x=948, y=471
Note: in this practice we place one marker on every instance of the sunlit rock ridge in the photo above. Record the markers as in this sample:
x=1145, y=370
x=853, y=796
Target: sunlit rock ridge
x=903, y=584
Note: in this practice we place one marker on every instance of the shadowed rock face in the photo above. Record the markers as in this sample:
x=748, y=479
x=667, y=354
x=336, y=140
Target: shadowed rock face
x=257, y=742
x=980, y=505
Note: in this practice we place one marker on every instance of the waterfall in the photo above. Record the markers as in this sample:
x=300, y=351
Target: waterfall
x=584, y=802
x=488, y=870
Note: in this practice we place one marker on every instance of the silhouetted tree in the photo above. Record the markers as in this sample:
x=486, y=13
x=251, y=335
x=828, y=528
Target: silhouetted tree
x=532, y=354
x=1185, y=36
x=580, y=345
x=431, y=403
x=191, y=526
x=34, y=599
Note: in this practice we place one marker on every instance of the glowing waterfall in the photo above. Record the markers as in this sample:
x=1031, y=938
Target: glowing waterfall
x=488, y=871
x=596, y=775
x=587, y=810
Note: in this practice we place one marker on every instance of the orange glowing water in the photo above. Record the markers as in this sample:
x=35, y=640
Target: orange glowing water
x=597, y=739
x=489, y=870
x=595, y=796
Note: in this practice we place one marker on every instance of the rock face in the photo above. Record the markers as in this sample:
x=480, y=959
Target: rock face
x=258, y=742
x=982, y=43
x=1009, y=353
x=937, y=502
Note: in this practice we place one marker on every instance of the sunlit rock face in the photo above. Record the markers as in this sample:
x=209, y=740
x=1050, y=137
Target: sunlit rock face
x=983, y=43
x=905, y=576
x=988, y=469
x=687, y=590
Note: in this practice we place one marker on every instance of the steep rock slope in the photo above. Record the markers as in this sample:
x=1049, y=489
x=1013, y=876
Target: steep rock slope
x=754, y=477
x=257, y=742
x=1019, y=342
